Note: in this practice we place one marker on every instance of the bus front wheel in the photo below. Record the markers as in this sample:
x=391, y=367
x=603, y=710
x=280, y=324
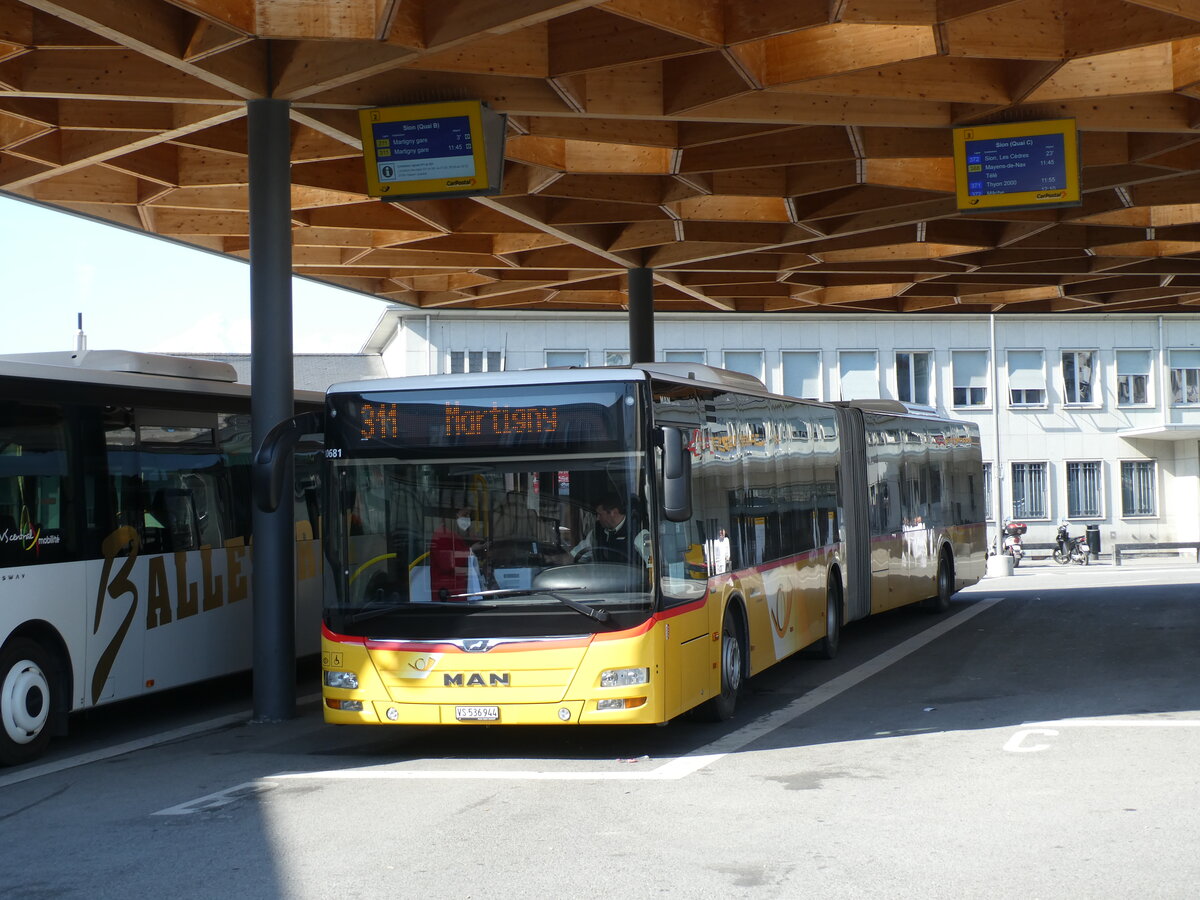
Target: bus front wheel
x=733, y=670
x=827, y=647
x=940, y=602
x=26, y=700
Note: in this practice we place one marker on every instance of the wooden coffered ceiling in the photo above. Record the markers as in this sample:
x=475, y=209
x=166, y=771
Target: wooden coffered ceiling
x=759, y=155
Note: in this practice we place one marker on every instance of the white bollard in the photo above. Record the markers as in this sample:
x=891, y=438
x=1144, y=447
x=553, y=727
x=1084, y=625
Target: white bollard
x=999, y=566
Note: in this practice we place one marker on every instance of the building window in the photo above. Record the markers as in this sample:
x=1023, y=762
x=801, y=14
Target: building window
x=913, y=370
x=561, y=358
x=1133, y=377
x=1026, y=378
x=748, y=362
x=684, y=356
x=969, y=370
x=616, y=357
x=1185, y=377
x=802, y=374
x=475, y=361
x=1138, y=496
x=857, y=375
x=987, y=490
x=1029, y=490
x=1078, y=369
x=1083, y=490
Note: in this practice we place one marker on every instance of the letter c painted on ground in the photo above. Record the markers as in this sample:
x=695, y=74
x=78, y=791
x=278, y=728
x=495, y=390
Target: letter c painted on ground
x=1016, y=742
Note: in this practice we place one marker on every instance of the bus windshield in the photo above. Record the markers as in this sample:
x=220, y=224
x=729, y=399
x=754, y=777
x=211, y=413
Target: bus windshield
x=438, y=534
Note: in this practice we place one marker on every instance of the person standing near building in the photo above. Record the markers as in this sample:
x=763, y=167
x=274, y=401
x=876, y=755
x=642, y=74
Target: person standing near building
x=720, y=552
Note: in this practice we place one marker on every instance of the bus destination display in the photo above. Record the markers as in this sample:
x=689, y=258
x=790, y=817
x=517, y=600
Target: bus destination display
x=396, y=423
x=1017, y=166
x=381, y=421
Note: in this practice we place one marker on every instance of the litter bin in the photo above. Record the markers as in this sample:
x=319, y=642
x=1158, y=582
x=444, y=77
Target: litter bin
x=1093, y=540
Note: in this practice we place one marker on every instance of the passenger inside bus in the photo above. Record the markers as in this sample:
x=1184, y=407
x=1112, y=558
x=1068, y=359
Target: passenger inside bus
x=453, y=567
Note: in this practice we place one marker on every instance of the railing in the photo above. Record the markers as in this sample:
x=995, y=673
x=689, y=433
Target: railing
x=1119, y=549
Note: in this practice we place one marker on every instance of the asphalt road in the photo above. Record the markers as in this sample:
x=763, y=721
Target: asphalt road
x=1039, y=740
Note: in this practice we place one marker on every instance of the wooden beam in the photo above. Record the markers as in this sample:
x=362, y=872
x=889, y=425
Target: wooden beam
x=835, y=50
x=699, y=20
x=595, y=39
x=157, y=31
x=117, y=75
x=1027, y=29
x=87, y=151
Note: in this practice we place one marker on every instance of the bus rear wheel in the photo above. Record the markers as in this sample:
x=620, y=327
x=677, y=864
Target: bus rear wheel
x=733, y=671
x=26, y=700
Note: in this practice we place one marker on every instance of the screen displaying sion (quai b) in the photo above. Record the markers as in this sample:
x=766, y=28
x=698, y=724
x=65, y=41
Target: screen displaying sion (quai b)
x=420, y=149
x=577, y=418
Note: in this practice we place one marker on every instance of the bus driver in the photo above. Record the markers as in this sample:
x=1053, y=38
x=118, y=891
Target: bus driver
x=609, y=539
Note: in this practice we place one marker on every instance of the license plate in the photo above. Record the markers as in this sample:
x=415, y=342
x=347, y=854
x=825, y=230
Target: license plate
x=477, y=713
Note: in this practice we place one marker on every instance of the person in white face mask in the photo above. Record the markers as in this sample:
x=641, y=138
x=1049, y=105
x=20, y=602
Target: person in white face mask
x=450, y=559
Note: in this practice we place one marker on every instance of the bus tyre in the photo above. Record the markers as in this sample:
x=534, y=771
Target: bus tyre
x=940, y=602
x=733, y=670
x=26, y=700
x=827, y=647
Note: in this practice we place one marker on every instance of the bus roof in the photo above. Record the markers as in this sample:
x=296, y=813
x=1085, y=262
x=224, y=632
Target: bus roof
x=124, y=368
x=682, y=372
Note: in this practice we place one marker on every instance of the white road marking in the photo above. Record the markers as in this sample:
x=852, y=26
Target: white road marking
x=131, y=746
x=675, y=769
x=217, y=799
x=1016, y=743
x=1116, y=723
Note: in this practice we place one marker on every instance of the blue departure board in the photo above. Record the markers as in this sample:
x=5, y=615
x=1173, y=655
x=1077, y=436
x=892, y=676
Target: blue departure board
x=423, y=148
x=1019, y=165
x=427, y=150
x=1008, y=165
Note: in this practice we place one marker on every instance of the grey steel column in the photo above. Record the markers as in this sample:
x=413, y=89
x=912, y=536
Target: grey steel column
x=274, y=552
x=641, y=315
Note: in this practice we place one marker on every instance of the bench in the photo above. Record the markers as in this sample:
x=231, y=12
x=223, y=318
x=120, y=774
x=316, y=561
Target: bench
x=1119, y=549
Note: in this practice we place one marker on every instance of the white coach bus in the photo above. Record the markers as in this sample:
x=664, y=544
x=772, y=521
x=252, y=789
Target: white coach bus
x=125, y=521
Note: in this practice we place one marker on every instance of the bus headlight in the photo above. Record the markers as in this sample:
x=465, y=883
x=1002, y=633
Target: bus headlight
x=346, y=680
x=610, y=678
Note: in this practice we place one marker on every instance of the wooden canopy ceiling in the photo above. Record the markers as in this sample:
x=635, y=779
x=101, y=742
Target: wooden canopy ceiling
x=759, y=155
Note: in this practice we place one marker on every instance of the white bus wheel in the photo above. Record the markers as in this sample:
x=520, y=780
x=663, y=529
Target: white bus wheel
x=26, y=701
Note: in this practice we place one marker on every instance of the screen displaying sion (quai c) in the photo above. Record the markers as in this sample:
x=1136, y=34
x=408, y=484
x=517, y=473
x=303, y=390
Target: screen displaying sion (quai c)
x=1021, y=165
x=579, y=418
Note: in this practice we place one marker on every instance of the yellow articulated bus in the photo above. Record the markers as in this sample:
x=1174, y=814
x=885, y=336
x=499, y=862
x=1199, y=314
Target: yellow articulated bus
x=618, y=545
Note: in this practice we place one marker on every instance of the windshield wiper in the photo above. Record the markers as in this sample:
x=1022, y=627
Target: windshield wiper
x=600, y=615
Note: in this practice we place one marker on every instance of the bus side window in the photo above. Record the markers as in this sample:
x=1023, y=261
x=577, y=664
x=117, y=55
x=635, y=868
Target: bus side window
x=35, y=517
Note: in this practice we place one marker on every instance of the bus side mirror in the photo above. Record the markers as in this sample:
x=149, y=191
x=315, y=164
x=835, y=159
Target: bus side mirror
x=271, y=460
x=677, y=475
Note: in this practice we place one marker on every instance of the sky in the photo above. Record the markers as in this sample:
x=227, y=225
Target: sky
x=143, y=293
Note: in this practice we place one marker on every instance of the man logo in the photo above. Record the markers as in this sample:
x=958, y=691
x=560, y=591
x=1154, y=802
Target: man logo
x=479, y=646
x=475, y=679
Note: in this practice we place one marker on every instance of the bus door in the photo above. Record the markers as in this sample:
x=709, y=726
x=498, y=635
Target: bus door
x=684, y=559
